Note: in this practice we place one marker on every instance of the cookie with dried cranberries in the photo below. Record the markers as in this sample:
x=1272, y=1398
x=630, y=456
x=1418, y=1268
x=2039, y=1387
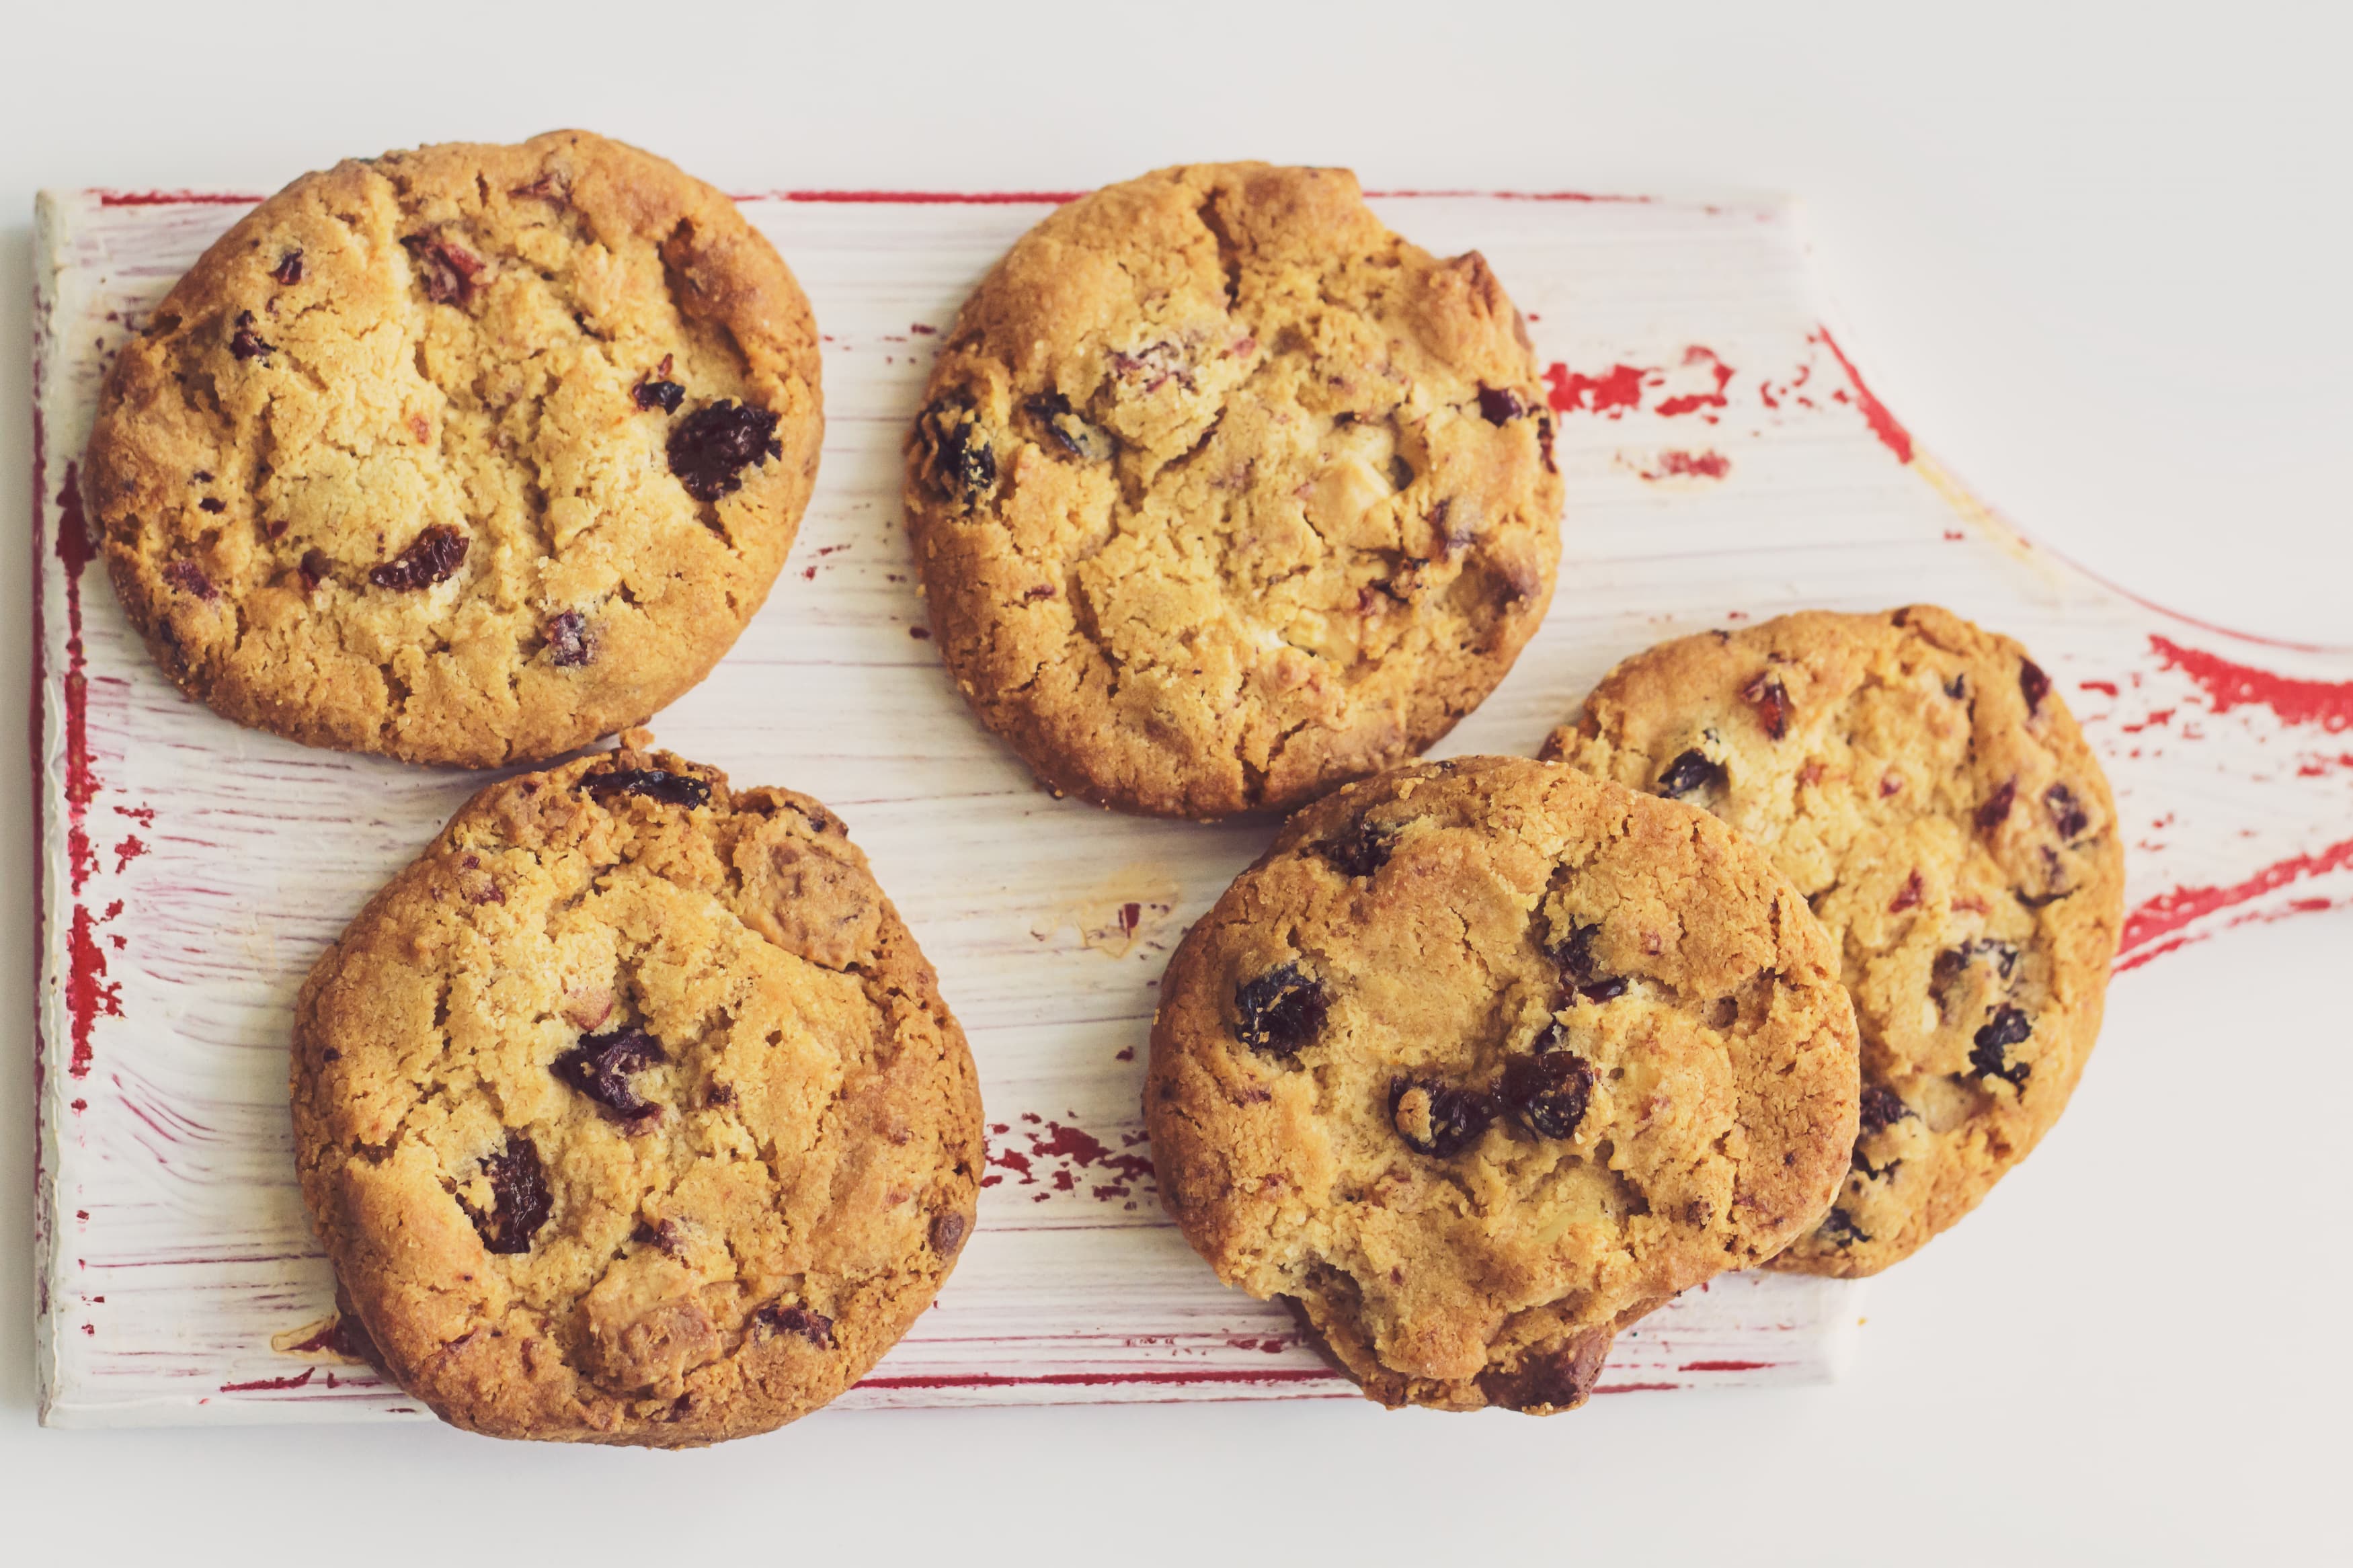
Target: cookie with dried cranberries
x=631, y=1113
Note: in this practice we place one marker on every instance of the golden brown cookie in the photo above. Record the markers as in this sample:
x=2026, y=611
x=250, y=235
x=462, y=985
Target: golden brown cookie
x=1922, y=784
x=1483, y=1060
x=465, y=455
x=1223, y=494
x=630, y=1113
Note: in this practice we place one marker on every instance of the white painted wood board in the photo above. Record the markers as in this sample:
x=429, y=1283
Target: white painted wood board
x=1725, y=461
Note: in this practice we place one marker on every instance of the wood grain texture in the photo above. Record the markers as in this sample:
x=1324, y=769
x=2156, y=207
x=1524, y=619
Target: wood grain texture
x=1724, y=462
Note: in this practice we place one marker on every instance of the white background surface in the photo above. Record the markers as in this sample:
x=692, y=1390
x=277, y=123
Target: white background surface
x=2093, y=256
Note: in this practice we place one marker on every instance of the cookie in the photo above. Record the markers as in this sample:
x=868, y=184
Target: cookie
x=1484, y=1059
x=1223, y=494
x=1922, y=784
x=631, y=1113
x=465, y=455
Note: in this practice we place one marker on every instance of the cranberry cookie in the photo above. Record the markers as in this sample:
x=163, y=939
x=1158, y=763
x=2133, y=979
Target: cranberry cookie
x=465, y=455
x=630, y=1113
x=1223, y=494
x=1921, y=782
x=1484, y=1059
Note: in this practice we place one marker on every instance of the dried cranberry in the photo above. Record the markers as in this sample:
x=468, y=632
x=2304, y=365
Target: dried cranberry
x=1081, y=441
x=814, y=1327
x=519, y=1201
x=711, y=447
x=568, y=645
x=245, y=342
x=1280, y=1012
x=1549, y=1093
x=1574, y=954
x=2067, y=814
x=1988, y=1051
x=1436, y=1120
x=1840, y=1228
x=1908, y=897
x=212, y=504
x=289, y=270
x=947, y=1232
x=658, y=391
x=654, y=784
x=600, y=1065
x=430, y=558
x=1500, y=404
x=963, y=463
x=448, y=271
x=1995, y=809
x=314, y=568
x=1881, y=1109
x=1957, y=687
x=189, y=578
x=1362, y=850
x=1690, y=771
x=1544, y=443
x=1771, y=700
x=2033, y=684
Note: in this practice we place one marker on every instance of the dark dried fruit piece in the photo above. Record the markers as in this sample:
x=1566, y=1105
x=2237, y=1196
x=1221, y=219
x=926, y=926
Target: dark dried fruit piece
x=1957, y=687
x=1953, y=962
x=1690, y=771
x=1988, y=1051
x=1995, y=809
x=519, y=1201
x=189, y=578
x=1907, y=897
x=814, y=1327
x=1549, y=1093
x=1500, y=404
x=2033, y=684
x=963, y=464
x=430, y=558
x=1553, y=1380
x=1881, y=1109
x=1771, y=700
x=314, y=569
x=1362, y=850
x=1436, y=1120
x=1073, y=435
x=600, y=1065
x=447, y=270
x=656, y=390
x=289, y=270
x=1280, y=1012
x=711, y=447
x=654, y=784
x=1838, y=1228
x=947, y=1232
x=245, y=342
x=569, y=646
x=1574, y=954
x=2068, y=816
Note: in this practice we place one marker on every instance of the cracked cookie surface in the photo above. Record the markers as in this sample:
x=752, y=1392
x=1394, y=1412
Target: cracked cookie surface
x=468, y=455
x=630, y=1113
x=1922, y=784
x=1224, y=494
x=1483, y=1060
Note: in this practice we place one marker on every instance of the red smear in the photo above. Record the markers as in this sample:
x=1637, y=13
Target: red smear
x=1688, y=464
x=1892, y=435
x=173, y=198
x=2160, y=717
x=2328, y=703
x=2319, y=767
x=87, y=994
x=1107, y=1379
x=2169, y=913
x=1635, y=1387
x=927, y=198
x=75, y=550
x=144, y=816
x=1725, y=1366
x=270, y=1382
x=1692, y=403
x=1085, y=1151
x=808, y=574
x=1612, y=393
x=2109, y=687
x=129, y=849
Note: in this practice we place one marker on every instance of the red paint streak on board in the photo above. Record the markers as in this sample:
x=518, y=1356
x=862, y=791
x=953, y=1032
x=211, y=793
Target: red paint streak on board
x=2168, y=913
x=1519, y=195
x=174, y=198
x=1637, y=1387
x=129, y=849
x=1725, y=1366
x=1067, y=1152
x=2108, y=688
x=296, y=1382
x=1892, y=435
x=74, y=549
x=2327, y=703
x=1611, y=394
x=1688, y=466
x=924, y=198
x=88, y=993
x=1104, y=1379
x=1692, y=402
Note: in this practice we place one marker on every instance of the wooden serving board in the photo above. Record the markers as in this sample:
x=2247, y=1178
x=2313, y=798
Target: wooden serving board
x=1726, y=462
